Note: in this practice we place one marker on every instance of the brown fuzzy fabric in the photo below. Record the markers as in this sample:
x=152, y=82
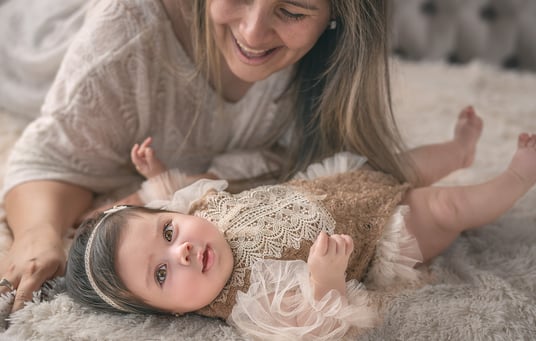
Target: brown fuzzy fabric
x=361, y=202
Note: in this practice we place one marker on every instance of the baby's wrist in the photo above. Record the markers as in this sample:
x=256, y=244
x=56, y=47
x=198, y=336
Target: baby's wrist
x=321, y=288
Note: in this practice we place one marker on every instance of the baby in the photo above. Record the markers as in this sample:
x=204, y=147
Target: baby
x=288, y=259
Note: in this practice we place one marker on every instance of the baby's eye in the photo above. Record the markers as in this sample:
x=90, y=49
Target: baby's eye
x=160, y=274
x=167, y=232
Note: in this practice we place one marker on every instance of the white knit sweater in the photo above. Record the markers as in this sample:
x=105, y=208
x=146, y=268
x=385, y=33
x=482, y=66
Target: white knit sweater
x=126, y=77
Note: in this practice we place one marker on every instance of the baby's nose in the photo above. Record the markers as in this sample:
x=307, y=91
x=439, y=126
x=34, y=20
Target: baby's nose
x=184, y=253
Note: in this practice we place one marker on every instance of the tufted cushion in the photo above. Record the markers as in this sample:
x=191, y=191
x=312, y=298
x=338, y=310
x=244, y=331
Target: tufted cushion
x=501, y=32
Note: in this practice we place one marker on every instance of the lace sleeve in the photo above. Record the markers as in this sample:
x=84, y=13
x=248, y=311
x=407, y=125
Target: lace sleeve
x=280, y=305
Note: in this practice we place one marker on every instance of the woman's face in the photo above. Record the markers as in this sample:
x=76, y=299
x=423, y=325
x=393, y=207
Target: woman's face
x=260, y=37
x=175, y=262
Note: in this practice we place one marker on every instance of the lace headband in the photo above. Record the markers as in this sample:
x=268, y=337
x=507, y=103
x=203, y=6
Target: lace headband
x=87, y=259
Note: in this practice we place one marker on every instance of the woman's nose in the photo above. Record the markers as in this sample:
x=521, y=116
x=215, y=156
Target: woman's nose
x=255, y=25
x=183, y=253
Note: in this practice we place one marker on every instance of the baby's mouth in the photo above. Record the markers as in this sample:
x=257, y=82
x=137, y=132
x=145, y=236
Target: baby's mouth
x=206, y=261
x=205, y=257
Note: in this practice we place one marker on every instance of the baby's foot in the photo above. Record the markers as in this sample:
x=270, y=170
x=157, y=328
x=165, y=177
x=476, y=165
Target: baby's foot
x=523, y=163
x=467, y=133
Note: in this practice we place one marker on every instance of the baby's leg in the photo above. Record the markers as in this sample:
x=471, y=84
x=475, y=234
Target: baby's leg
x=435, y=161
x=438, y=214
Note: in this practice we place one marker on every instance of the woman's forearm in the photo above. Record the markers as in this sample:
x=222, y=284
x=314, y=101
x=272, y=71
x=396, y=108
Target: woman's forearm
x=51, y=205
x=39, y=214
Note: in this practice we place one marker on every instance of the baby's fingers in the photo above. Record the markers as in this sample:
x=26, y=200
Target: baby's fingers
x=320, y=245
x=342, y=244
x=349, y=247
x=149, y=155
x=147, y=142
x=335, y=245
x=134, y=153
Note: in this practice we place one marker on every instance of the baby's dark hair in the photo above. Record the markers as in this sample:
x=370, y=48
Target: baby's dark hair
x=102, y=258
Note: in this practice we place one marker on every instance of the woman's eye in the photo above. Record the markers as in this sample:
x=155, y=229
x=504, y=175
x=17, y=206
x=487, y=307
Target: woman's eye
x=167, y=232
x=290, y=15
x=160, y=274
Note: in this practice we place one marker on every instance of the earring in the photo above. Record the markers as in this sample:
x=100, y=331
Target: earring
x=332, y=24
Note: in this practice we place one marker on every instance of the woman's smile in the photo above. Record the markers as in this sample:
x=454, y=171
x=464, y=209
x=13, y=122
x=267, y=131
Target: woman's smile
x=253, y=56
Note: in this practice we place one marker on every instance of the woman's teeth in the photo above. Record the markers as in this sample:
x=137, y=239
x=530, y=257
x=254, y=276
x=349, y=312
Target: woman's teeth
x=251, y=53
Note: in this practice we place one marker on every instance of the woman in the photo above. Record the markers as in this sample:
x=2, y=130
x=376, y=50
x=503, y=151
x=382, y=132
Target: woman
x=233, y=83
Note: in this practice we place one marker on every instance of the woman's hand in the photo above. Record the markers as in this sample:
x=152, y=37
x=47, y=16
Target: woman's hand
x=33, y=258
x=40, y=214
x=328, y=260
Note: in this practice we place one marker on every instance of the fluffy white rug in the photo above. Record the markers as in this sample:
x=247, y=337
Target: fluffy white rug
x=486, y=285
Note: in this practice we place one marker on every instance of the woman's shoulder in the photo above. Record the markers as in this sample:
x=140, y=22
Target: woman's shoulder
x=113, y=23
x=117, y=38
x=114, y=29
x=127, y=10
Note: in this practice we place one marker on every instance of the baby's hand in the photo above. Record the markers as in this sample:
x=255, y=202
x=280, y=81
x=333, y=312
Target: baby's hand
x=145, y=160
x=328, y=260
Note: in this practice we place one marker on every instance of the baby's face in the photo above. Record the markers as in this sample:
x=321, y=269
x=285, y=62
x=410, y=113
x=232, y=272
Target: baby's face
x=174, y=262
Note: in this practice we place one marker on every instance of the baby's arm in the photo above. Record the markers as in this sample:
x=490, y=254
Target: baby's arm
x=145, y=160
x=294, y=300
x=328, y=260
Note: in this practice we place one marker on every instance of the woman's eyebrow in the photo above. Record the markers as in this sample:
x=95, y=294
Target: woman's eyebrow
x=305, y=5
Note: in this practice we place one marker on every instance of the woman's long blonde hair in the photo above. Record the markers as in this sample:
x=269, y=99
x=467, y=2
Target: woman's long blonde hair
x=341, y=87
